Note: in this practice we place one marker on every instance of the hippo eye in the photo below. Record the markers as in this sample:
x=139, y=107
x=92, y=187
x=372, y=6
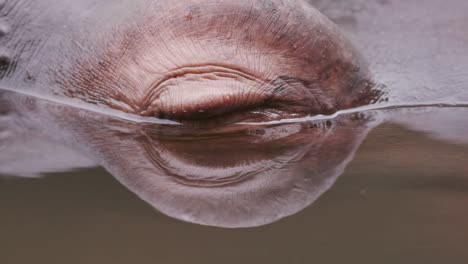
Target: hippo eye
x=209, y=92
x=205, y=92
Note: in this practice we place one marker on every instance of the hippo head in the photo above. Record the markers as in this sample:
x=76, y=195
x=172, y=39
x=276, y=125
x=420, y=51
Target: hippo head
x=205, y=59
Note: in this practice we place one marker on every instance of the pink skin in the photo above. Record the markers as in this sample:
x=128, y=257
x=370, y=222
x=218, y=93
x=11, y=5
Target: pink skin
x=200, y=59
x=229, y=60
x=234, y=60
x=205, y=61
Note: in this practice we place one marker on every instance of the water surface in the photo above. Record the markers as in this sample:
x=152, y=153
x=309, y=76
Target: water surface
x=379, y=186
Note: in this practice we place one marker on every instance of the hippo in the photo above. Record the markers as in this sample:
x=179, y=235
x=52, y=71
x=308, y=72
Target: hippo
x=186, y=60
x=156, y=91
x=251, y=60
x=273, y=59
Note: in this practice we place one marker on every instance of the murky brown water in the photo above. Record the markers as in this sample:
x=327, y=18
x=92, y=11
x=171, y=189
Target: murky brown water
x=401, y=199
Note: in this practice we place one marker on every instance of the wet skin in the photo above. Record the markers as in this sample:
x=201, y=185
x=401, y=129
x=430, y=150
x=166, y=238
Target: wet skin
x=148, y=59
x=189, y=60
x=249, y=60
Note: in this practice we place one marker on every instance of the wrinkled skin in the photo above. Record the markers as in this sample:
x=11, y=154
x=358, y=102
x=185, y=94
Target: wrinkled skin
x=146, y=58
x=236, y=61
x=193, y=59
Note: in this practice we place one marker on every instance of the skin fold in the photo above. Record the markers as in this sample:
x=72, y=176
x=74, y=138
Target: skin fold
x=251, y=60
x=187, y=60
x=212, y=65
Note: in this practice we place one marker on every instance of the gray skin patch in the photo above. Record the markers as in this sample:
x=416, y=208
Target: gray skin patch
x=416, y=48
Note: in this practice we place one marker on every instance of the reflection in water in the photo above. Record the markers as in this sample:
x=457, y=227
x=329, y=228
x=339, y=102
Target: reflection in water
x=230, y=176
x=234, y=176
x=233, y=180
